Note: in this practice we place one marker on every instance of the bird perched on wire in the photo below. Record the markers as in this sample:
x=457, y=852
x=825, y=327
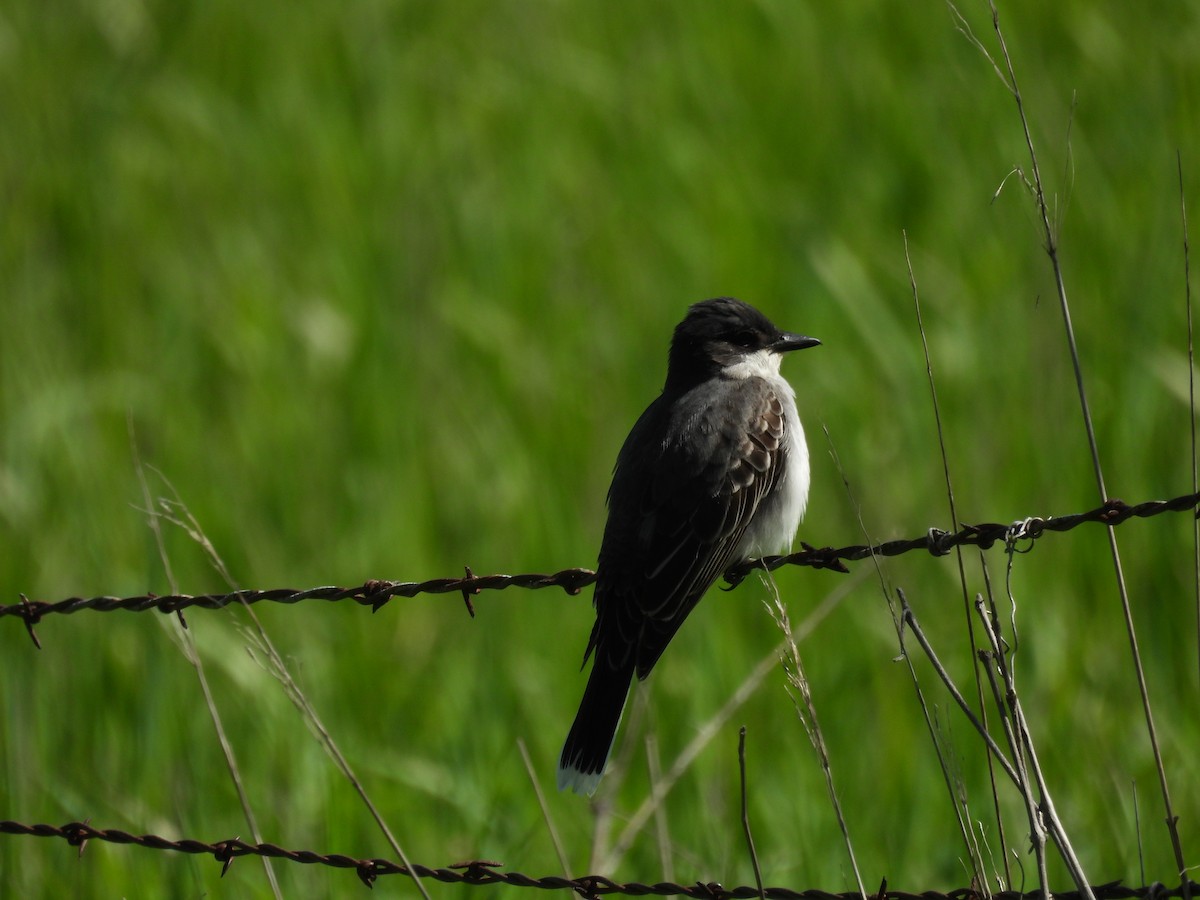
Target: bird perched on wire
x=714, y=472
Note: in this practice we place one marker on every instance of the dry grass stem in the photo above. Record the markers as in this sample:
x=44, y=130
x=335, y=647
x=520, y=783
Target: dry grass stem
x=992, y=661
x=897, y=621
x=711, y=728
x=1049, y=229
x=1042, y=818
x=1001, y=658
x=186, y=642
x=806, y=711
x=662, y=831
x=745, y=813
x=1191, y=357
x=1051, y=247
x=546, y=817
x=973, y=851
x=175, y=511
x=910, y=623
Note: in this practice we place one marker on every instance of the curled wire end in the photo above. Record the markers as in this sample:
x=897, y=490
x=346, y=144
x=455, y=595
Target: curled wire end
x=1029, y=529
x=935, y=542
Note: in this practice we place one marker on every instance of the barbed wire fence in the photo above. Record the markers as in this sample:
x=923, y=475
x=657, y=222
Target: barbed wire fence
x=376, y=593
x=486, y=872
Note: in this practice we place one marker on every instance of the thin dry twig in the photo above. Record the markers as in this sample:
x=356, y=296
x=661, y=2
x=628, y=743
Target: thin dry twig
x=1137, y=827
x=662, y=831
x=187, y=644
x=1037, y=832
x=943, y=763
x=793, y=667
x=546, y=817
x=972, y=850
x=711, y=728
x=909, y=620
x=641, y=718
x=1051, y=248
x=1191, y=357
x=746, y=814
x=176, y=512
x=1041, y=816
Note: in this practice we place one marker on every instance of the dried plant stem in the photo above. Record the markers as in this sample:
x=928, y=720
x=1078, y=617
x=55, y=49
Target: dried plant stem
x=176, y=512
x=1042, y=816
x=1037, y=833
x=1191, y=356
x=187, y=644
x=662, y=787
x=806, y=710
x=943, y=764
x=546, y=817
x=1025, y=753
x=910, y=622
x=976, y=861
x=662, y=831
x=746, y=815
x=1052, y=251
x=302, y=703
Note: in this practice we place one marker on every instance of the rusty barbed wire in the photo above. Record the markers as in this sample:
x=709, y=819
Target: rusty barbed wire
x=376, y=593
x=487, y=872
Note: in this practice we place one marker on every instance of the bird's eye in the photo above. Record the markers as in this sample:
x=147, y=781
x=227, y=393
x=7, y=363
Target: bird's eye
x=744, y=338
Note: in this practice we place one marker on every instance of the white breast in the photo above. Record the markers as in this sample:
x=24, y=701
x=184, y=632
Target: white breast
x=774, y=525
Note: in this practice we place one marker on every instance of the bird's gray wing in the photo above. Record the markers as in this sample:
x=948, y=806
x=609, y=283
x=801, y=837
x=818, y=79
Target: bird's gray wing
x=676, y=523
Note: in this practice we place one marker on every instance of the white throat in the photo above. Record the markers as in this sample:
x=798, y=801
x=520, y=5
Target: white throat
x=760, y=363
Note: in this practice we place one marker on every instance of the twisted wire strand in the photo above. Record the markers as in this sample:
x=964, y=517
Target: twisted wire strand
x=486, y=872
x=376, y=593
x=482, y=872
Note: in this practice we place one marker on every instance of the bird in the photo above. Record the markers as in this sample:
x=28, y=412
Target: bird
x=713, y=473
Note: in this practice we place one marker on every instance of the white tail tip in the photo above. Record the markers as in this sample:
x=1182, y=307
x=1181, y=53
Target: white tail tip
x=577, y=781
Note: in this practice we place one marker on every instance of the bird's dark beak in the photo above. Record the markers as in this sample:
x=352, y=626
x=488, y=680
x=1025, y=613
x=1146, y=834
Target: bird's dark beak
x=788, y=342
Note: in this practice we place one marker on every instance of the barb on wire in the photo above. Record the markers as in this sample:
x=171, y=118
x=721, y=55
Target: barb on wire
x=486, y=872
x=377, y=593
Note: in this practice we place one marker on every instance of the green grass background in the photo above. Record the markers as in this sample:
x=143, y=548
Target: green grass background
x=380, y=288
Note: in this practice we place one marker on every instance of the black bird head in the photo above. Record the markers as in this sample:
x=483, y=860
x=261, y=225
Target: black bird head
x=720, y=333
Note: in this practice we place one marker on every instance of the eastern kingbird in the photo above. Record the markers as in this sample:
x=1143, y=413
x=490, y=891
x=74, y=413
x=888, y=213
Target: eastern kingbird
x=714, y=472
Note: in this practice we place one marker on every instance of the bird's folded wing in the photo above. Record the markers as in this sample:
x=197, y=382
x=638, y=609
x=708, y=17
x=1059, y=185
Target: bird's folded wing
x=722, y=460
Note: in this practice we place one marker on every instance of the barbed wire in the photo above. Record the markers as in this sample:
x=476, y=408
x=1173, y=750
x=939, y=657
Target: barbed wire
x=483, y=872
x=487, y=872
x=376, y=593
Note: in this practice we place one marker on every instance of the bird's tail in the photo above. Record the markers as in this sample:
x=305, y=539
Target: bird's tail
x=591, y=736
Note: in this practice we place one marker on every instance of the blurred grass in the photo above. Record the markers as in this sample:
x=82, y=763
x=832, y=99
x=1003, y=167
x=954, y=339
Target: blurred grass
x=381, y=289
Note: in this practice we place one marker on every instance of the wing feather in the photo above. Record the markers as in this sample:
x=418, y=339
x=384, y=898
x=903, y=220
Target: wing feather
x=677, y=514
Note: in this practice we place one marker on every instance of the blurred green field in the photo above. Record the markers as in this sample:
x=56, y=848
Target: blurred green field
x=380, y=288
